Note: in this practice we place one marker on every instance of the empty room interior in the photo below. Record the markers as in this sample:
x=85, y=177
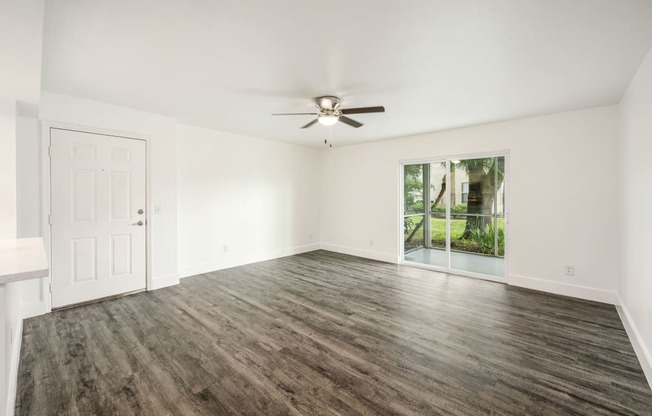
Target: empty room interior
x=341, y=208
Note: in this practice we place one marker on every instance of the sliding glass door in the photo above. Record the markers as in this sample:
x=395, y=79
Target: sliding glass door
x=454, y=214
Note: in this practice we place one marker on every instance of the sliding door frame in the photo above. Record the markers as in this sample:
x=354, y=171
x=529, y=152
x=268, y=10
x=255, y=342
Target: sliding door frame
x=439, y=159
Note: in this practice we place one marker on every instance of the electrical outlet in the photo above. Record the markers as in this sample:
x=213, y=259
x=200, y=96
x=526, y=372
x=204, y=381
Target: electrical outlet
x=309, y=236
x=371, y=243
x=569, y=270
x=225, y=248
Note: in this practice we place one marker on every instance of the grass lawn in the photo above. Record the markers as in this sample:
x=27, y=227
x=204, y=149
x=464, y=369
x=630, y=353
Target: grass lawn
x=457, y=228
x=439, y=231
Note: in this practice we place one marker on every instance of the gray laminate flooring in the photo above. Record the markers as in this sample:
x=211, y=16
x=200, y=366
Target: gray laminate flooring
x=326, y=334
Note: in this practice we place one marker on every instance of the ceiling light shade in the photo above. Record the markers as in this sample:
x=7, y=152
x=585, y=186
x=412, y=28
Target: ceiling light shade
x=328, y=119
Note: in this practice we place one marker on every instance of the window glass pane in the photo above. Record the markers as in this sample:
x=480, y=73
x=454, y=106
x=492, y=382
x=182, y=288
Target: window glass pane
x=500, y=185
x=483, y=250
x=413, y=189
x=438, y=205
x=476, y=182
x=438, y=187
x=413, y=233
x=477, y=223
x=438, y=231
x=476, y=234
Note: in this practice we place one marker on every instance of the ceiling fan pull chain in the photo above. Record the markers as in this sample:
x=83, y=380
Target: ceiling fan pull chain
x=330, y=136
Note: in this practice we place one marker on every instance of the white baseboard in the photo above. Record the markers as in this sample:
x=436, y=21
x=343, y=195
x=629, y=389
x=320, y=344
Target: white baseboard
x=12, y=381
x=566, y=289
x=374, y=255
x=29, y=310
x=228, y=262
x=642, y=351
x=164, y=281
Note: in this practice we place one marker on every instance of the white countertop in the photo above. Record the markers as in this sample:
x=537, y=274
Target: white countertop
x=22, y=259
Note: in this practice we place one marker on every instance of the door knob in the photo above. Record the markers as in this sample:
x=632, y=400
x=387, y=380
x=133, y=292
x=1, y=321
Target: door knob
x=140, y=211
x=139, y=223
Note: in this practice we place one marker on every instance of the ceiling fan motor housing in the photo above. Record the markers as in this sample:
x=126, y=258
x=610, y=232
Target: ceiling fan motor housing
x=328, y=102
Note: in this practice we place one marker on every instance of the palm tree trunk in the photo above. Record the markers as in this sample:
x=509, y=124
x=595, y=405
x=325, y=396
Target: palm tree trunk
x=419, y=225
x=441, y=193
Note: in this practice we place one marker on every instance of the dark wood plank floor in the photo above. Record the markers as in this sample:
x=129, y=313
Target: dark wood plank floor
x=325, y=334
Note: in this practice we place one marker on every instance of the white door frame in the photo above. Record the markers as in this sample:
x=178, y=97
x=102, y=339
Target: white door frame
x=401, y=204
x=46, y=127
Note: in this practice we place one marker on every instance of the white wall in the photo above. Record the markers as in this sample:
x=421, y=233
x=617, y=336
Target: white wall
x=563, y=207
x=8, y=169
x=8, y=294
x=161, y=132
x=28, y=177
x=636, y=178
x=260, y=198
x=21, y=29
x=33, y=292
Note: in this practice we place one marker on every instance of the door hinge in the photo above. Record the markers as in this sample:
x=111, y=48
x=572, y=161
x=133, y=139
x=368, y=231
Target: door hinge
x=49, y=150
x=50, y=287
x=50, y=219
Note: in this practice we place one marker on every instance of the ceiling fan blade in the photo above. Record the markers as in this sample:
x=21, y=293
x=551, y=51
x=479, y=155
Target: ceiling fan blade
x=309, y=124
x=361, y=110
x=350, y=122
x=295, y=114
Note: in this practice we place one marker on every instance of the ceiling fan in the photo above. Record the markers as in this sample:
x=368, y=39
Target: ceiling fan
x=330, y=112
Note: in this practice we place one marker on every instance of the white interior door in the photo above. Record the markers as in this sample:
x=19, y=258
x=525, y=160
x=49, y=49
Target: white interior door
x=98, y=216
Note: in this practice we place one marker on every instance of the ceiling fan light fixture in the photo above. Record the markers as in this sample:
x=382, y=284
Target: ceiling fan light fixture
x=328, y=119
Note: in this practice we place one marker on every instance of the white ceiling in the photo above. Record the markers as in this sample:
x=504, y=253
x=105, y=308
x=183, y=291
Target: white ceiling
x=433, y=64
